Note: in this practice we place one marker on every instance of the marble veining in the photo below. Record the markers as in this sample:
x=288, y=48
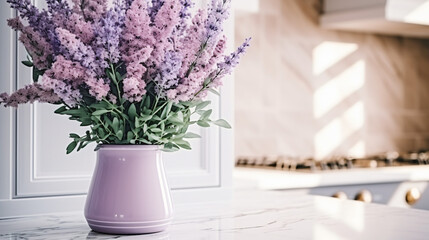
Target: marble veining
x=250, y=214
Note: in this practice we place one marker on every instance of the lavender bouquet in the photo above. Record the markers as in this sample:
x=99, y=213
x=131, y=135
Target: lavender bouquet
x=135, y=73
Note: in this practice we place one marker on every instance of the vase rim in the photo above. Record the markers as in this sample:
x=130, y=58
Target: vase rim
x=128, y=147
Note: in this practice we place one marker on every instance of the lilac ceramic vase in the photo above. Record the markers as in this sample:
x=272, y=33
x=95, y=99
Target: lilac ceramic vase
x=129, y=193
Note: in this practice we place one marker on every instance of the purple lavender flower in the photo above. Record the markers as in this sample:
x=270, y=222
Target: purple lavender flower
x=59, y=7
x=184, y=15
x=91, y=10
x=108, y=35
x=218, y=13
x=168, y=72
x=60, y=11
x=78, y=51
x=39, y=21
x=230, y=62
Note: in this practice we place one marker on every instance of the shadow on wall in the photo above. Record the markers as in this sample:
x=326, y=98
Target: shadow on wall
x=305, y=91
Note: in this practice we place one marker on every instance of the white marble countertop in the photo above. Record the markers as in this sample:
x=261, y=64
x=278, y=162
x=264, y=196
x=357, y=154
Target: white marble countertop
x=272, y=179
x=250, y=215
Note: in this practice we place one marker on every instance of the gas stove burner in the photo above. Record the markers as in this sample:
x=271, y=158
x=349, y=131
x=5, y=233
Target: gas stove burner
x=287, y=163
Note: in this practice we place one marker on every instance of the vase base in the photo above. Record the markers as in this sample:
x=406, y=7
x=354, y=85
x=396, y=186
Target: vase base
x=128, y=228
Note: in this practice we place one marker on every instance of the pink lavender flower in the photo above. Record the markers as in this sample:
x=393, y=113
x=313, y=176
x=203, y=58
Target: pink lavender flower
x=154, y=7
x=137, y=33
x=64, y=79
x=190, y=44
x=77, y=25
x=97, y=87
x=134, y=89
x=36, y=45
x=29, y=94
x=136, y=48
x=134, y=84
x=146, y=41
x=163, y=24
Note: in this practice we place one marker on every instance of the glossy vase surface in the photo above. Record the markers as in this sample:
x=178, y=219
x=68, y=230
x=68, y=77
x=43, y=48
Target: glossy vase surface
x=129, y=193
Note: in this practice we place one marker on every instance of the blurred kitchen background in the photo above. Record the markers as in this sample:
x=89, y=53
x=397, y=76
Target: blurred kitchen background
x=338, y=90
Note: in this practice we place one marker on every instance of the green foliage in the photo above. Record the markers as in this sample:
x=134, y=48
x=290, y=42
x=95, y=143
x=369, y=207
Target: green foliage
x=152, y=121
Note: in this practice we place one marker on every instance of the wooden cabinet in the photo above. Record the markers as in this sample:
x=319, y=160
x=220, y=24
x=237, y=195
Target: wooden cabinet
x=36, y=176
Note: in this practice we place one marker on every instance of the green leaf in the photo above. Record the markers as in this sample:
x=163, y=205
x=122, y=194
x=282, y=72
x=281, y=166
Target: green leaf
x=147, y=102
x=145, y=118
x=214, y=91
x=119, y=134
x=144, y=141
x=206, y=114
x=170, y=147
x=101, y=132
x=170, y=130
x=118, y=77
x=155, y=130
x=36, y=74
x=130, y=135
x=203, y=123
x=28, y=63
x=183, y=144
x=85, y=122
x=207, y=81
x=136, y=123
x=174, y=119
x=74, y=112
x=132, y=112
x=115, y=124
x=74, y=135
x=60, y=110
x=222, y=123
x=71, y=147
x=100, y=105
x=100, y=112
x=111, y=76
x=202, y=105
x=153, y=137
x=191, y=135
x=166, y=110
x=80, y=146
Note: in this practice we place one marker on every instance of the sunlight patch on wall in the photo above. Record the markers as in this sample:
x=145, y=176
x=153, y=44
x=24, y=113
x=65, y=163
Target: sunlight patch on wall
x=333, y=134
x=420, y=15
x=339, y=88
x=357, y=150
x=327, y=54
